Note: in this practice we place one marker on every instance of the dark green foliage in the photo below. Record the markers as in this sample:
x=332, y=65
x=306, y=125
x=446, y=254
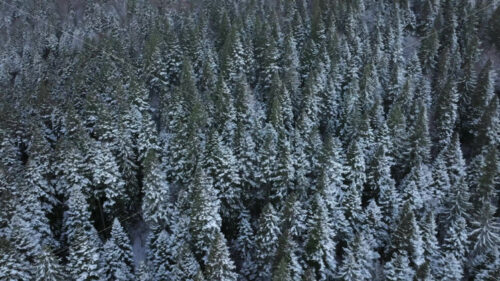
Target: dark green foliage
x=249, y=140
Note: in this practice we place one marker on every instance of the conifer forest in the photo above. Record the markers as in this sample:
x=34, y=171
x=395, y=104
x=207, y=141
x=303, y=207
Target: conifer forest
x=249, y=140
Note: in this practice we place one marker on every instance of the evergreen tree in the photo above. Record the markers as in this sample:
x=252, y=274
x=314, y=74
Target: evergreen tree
x=156, y=206
x=289, y=68
x=375, y=225
x=205, y=220
x=244, y=142
x=267, y=159
x=456, y=239
x=84, y=256
x=159, y=256
x=356, y=175
x=245, y=245
x=186, y=116
x=452, y=269
x=233, y=62
x=186, y=267
x=446, y=113
x=13, y=266
x=331, y=177
x=480, y=97
x=351, y=205
x=220, y=165
x=320, y=242
x=282, y=177
x=490, y=269
x=223, y=110
x=48, y=267
x=286, y=264
x=456, y=199
x=407, y=238
x=398, y=268
x=77, y=216
x=432, y=254
x=325, y=140
x=118, y=254
x=358, y=260
x=397, y=123
x=485, y=233
x=172, y=55
x=106, y=180
x=266, y=242
x=420, y=140
x=143, y=273
x=382, y=187
x=219, y=265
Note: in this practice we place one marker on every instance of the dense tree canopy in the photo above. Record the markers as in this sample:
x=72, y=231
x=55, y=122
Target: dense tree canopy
x=249, y=140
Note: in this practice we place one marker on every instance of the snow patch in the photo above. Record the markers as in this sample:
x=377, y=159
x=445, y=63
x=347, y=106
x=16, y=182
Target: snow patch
x=138, y=233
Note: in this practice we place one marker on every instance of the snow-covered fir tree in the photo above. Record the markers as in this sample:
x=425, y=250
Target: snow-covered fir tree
x=249, y=140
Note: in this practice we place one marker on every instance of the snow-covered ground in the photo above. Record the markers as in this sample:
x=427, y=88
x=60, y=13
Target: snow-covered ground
x=138, y=233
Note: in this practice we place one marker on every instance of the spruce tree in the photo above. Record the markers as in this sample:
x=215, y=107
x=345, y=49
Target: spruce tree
x=398, y=268
x=118, y=254
x=84, y=256
x=320, y=245
x=266, y=242
x=156, y=205
x=205, y=220
x=13, y=265
x=77, y=216
x=220, y=165
x=432, y=254
x=219, y=265
x=446, y=113
x=480, y=98
x=358, y=260
x=186, y=267
x=452, y=269
x=245, y=245
x=382, y=187
x=485, y=228
x=48, y=267
x=244, y=142
x=186, y=116
x=407, y=237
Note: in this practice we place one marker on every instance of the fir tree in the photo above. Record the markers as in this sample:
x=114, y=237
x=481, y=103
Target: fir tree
x=320, y=242
x=383, y=188
x=358, y=260
x=356, y=162
x=219, y=265
x=186, y=267
x=77, y=216
x=398, y=268
x=485, y=233
x=13, y=266
x=143, y=272
x=446, y=112
x=186, y=115
x=453, y=268
x=245, y=245
x=205, y=220
x=456, y=239
x=48, y=267
x=480, y=97
x=407, y=239
x=266, y=242
x=432, y=254
x=156, y=206
x=220, y=165
x=118, y=254
x=84, y=256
